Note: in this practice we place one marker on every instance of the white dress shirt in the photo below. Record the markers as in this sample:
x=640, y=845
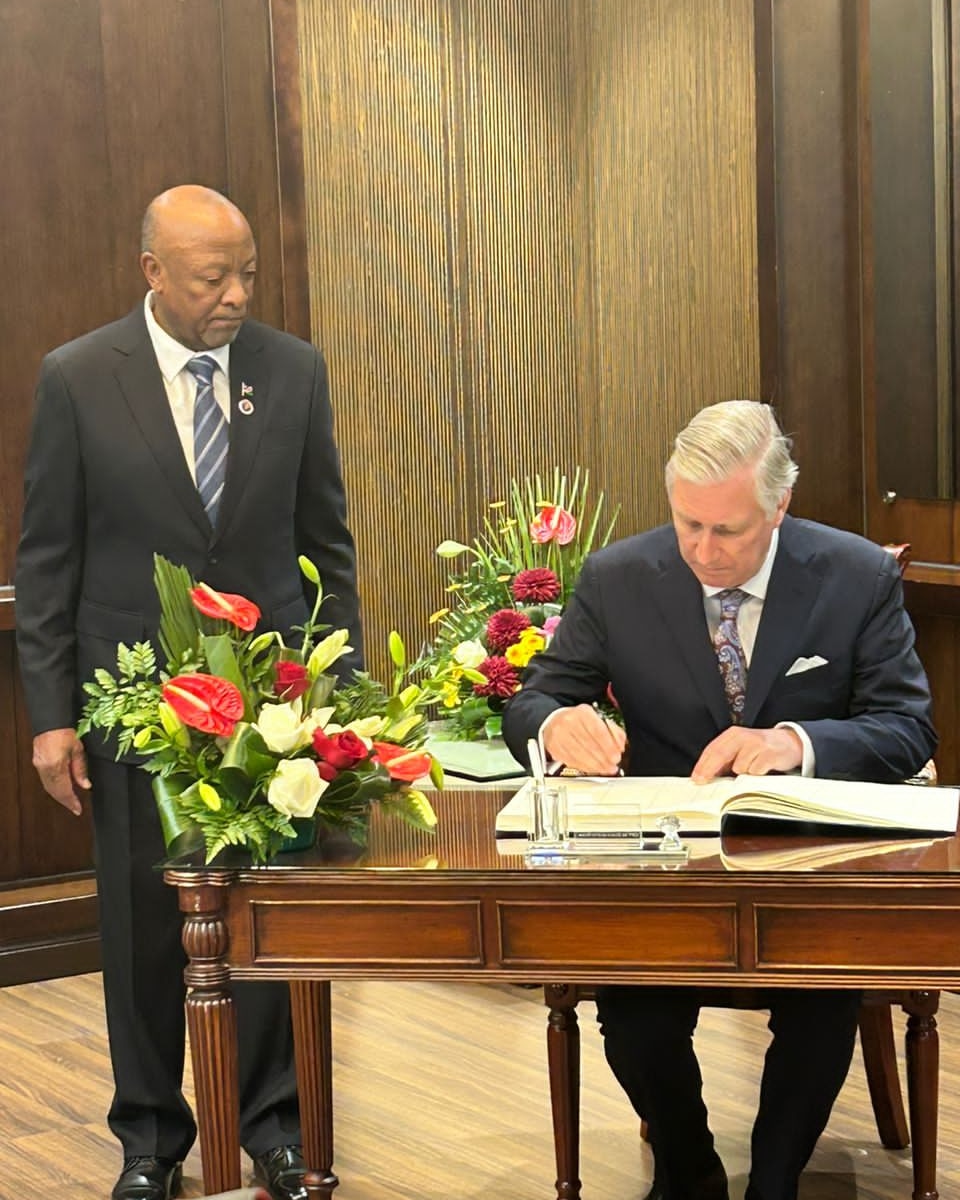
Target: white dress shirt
x=180, y=385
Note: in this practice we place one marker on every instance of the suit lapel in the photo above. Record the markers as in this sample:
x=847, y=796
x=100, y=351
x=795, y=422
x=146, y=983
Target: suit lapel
x=141, y=383
x=791, y=595
x=680, y=598
x=249, y=386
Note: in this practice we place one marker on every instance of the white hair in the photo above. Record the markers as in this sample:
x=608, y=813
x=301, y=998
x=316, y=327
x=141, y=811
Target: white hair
x=725, y=437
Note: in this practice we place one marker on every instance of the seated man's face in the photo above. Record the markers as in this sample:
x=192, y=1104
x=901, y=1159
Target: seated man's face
x=723, y=532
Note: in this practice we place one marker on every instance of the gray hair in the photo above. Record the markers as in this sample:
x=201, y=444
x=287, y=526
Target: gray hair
x=725, y=437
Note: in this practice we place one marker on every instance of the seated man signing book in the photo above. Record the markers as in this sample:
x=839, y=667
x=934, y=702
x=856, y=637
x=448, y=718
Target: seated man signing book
x=736, y=640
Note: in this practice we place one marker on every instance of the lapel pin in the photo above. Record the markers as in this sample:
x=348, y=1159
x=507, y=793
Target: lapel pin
x=246, y=399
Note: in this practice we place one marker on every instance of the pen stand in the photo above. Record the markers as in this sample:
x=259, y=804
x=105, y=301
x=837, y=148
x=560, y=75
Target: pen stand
x=665, y=851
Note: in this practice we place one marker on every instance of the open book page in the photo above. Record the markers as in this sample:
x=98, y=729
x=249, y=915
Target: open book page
x=634, y=804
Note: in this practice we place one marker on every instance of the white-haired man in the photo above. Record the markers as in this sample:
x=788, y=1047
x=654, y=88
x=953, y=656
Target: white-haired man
x=696, y=626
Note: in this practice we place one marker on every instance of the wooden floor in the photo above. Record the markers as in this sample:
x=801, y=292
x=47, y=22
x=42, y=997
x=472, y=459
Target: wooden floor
x=441, y=1094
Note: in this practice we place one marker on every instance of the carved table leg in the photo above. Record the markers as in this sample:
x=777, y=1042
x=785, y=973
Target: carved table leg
x=923, y=1067
x=310, y=1004
x=212, y=1022
x=563, y=1058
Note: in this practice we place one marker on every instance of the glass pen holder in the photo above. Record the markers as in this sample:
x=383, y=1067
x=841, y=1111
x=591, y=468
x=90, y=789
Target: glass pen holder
x=550, y=840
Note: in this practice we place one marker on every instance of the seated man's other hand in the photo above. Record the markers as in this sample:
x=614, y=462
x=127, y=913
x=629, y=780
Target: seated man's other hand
x=741, y=751
x=582, y=739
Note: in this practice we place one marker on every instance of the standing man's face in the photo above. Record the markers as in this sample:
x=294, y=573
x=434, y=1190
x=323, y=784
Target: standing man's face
x=724, y=534
x=202, y=275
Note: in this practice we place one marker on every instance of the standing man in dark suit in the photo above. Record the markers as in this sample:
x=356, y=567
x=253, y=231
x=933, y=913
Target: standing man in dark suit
x=187, y=429
x=736, y=640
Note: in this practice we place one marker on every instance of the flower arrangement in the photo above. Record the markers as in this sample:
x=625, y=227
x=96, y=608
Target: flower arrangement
x=507, y=600
x=245, y=735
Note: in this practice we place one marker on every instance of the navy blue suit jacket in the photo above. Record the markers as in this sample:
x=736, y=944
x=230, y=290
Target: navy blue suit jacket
x=637, y=621
x=107, y=484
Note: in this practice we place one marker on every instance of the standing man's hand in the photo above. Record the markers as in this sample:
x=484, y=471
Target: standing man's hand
x=61, y=764
x=742, y=751
x=580, y=738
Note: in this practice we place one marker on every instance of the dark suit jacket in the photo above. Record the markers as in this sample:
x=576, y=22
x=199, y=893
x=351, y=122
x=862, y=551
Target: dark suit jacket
x=637, y=621
x=107, y=484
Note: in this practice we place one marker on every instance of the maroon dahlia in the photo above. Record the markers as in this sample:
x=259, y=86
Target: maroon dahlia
x=504, y=627
x=539, y=585
x=502, y=678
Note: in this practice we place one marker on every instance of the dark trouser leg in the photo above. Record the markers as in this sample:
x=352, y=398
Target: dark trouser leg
x=807, y=1061
x=143, y=963
x=648, y=1041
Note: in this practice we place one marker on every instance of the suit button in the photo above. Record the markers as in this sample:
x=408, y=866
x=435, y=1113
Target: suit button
x=212, y=561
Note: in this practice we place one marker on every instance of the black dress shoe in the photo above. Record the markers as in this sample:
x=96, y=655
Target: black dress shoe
x=281, y=1171
x=147, y=1178
x=712, y=1186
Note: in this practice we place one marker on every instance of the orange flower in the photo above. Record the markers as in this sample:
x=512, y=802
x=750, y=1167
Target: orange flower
x=238, y=610
x=205, y=702
x=401, y=763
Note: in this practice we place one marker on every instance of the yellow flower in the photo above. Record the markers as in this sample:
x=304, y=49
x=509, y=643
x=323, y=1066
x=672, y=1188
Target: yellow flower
x=531, y=642
x=438, y=615
x=450, y=696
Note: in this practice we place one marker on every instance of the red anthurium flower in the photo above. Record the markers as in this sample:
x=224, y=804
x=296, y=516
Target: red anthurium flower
x=551, y=522
x=290, y=680
x=341, y=750
x=226, y=607
x=205, y=702
x=401, y=763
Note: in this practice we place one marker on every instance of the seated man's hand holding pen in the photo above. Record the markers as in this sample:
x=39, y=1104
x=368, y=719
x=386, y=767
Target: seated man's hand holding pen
x=581, y=738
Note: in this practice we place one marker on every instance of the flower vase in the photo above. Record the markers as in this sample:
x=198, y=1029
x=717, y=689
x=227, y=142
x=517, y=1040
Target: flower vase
x=304, y=836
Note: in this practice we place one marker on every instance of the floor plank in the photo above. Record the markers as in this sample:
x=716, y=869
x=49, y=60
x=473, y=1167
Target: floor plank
x=401, y=1131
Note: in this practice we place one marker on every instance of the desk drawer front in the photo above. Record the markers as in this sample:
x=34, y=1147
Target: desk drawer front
x=618, y=935
x=847, y=936
x=335, y=931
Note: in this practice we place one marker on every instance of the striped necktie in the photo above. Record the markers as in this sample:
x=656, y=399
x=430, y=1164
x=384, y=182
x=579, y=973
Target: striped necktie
x=730, y=656
x=210, y=436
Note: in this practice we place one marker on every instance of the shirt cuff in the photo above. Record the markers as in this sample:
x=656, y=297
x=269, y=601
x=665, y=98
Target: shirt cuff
x=808, y=764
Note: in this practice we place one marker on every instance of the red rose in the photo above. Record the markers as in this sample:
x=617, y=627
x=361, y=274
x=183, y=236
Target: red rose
x=290, y=680
x=325, y=771
x=341, y=750
x=205, y=702
x=553, y=522
x=402, y=764
x=225, y=607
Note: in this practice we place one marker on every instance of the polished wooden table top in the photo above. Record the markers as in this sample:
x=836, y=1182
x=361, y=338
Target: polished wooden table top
x=465, y=841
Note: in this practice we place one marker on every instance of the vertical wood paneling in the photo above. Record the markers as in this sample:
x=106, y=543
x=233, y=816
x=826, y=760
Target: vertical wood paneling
x=106, y=102
x=532, y=238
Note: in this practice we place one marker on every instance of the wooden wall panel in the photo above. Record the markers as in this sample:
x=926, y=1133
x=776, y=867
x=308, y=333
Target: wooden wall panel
x=532, y=239
x=106, y=103
x=818, y=253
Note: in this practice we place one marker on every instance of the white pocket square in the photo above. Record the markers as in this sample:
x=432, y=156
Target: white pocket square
x=807, y=664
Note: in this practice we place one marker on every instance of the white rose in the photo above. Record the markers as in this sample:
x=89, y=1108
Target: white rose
x=469, y=654
x=282, y=727
x=296, y=787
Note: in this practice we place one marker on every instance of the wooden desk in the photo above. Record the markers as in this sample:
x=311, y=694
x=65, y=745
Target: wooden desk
x=456, y=907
